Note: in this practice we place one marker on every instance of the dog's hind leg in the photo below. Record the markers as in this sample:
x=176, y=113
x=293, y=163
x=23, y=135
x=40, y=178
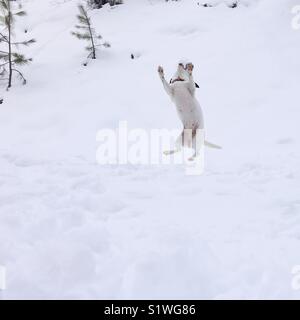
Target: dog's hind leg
x=197, y=143
x=178, y=145
x=194, y=147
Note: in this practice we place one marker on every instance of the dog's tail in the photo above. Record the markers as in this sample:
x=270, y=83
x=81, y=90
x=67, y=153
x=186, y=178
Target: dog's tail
x=212, y=145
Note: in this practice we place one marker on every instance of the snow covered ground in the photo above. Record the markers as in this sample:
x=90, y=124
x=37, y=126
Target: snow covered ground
x=70, y=228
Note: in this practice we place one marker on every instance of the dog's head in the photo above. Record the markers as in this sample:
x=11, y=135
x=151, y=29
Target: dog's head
x=184, y=70
x=181, y=74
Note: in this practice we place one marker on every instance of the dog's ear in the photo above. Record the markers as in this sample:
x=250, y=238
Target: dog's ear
x=196, y=85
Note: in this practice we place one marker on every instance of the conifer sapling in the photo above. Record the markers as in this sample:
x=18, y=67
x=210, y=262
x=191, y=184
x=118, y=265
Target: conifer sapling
x=10, y=58
x=88, y=33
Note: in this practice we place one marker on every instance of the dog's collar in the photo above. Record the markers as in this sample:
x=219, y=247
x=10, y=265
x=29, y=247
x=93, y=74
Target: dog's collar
x=177, y=79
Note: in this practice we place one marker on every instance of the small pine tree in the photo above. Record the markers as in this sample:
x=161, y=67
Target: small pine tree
x=9, y=57
x=88, y=32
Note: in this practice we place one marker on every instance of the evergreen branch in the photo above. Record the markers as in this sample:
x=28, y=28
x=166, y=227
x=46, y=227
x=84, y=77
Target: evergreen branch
x=90, y=55
x=81, y=27
x=106, y=45
x=24, y=43
x=4, y=4
x=81, y=36
x=3, y=37
x=4, y=64
x=20, y=59
x=82, y=19
x=21, y=75
x=4, y=55
x=20, y=14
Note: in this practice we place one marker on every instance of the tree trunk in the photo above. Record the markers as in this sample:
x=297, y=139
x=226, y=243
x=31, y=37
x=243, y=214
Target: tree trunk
x=92, y=39
x=9, y=48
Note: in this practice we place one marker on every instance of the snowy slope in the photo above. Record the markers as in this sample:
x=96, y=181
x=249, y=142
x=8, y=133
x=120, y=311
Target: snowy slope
x=70, y=228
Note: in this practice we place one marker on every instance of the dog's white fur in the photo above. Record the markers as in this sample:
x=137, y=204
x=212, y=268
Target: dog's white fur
x=182, y=93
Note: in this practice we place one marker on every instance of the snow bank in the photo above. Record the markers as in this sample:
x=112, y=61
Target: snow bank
x=72, y=229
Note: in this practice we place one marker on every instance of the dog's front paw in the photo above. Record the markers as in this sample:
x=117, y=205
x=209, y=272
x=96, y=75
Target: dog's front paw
x=160, y=71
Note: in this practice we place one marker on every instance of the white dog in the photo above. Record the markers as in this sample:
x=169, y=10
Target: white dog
x=182, y=92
